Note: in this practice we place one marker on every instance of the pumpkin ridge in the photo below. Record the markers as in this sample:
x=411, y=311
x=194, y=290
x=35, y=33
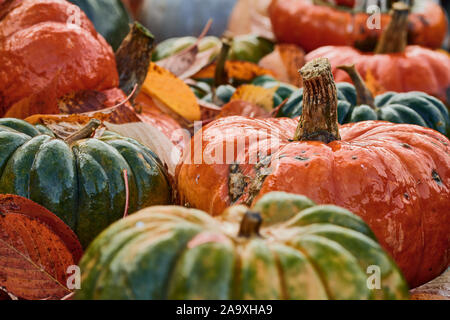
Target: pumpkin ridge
x=319, y=273
x=109, y=277
x=104, y=257
x=283, y=287
x=400, y=161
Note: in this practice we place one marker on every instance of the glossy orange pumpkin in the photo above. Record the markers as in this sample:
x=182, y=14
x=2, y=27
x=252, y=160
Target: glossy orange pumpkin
x=396, y=177
x=394, y=66
x=48, y=48
x=312, y=25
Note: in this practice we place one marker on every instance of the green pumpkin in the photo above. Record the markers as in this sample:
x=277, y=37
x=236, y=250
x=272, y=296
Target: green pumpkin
x=301, y=251
x=173, y=46
x=250, y=48
x=411, y=107
x=244, y=48
x=110, y=18
x=82, y=182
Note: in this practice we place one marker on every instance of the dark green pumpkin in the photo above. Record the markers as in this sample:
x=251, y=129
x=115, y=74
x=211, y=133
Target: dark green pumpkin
x=301, y=251
x=412, y=107
x=82, y=183
x=110, y=18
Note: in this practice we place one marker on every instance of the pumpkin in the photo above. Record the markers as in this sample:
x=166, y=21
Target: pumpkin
x=244, y=48
x=356, y=103
x=109, y=17
x=301, y=251
x=301, y=22
x=176, y=18
x=48, y=49
x=82, y=180
x=415, y=68
x=395, y=176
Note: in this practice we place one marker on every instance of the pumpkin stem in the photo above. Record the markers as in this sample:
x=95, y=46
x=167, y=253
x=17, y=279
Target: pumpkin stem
x=133, y=58
x=251, y=222
x=84, y=132
x=220, y=75
x=319, y=121
x=395, y=37
x=363, y=94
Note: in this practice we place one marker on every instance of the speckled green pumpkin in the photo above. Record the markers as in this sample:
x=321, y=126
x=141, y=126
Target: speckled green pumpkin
x=301, y=251
x=82, y=183
x=412, y=107
x=244, y=48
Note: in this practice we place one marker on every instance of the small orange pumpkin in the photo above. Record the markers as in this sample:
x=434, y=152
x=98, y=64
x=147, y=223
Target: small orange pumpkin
x=315, y=23
x=394, y=66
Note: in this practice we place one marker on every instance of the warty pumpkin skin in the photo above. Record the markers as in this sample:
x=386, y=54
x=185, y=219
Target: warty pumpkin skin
x=302, y=22
x=82, y=181
x=48, y=49
x=395, y=176
x=301, y=251
x=394, y=66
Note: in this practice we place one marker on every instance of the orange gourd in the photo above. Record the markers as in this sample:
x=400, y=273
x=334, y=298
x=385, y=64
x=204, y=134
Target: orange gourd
x=315, y=23
x=49, y=48
x=395, y=176
x=394, y=66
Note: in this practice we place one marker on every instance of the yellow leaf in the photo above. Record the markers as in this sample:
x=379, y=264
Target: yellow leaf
x=373, y=85
x=163, y=86
x=260, y=96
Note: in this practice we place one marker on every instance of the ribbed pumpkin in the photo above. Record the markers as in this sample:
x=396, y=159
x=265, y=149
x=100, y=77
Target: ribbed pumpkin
x=81, y=181
x=49, y=48
x=395, y=176
x=356, y=103
x=312, y=24
x=301, y=251
x=394, y=66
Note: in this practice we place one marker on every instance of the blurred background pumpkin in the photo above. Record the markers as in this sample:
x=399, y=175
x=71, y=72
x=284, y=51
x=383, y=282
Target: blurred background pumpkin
x=176, y=18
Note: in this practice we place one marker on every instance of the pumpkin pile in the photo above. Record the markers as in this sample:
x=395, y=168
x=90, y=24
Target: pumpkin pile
x=205, y=167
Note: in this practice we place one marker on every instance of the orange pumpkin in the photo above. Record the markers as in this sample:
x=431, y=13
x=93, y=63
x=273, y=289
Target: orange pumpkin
x=49, y=48
x=394, y=66
x=313, y=24
x=395, y=176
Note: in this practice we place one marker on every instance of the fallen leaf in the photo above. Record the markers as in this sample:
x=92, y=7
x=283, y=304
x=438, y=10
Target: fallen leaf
x=243, y=108
x=36, y=249
x=251, y=16
x=189, y=61
x=437, y=289
x=133, y=58
x=63, y=125
x=284, y=62
x=259, y=96
x=151, y=114
x=374, y=86
x=91, y=101
x=172, y=92
x=153, y=138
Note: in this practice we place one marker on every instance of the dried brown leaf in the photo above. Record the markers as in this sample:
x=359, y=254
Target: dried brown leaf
x=189, y=61
x=284, y=62
x=437, y=289
x=36, y=249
